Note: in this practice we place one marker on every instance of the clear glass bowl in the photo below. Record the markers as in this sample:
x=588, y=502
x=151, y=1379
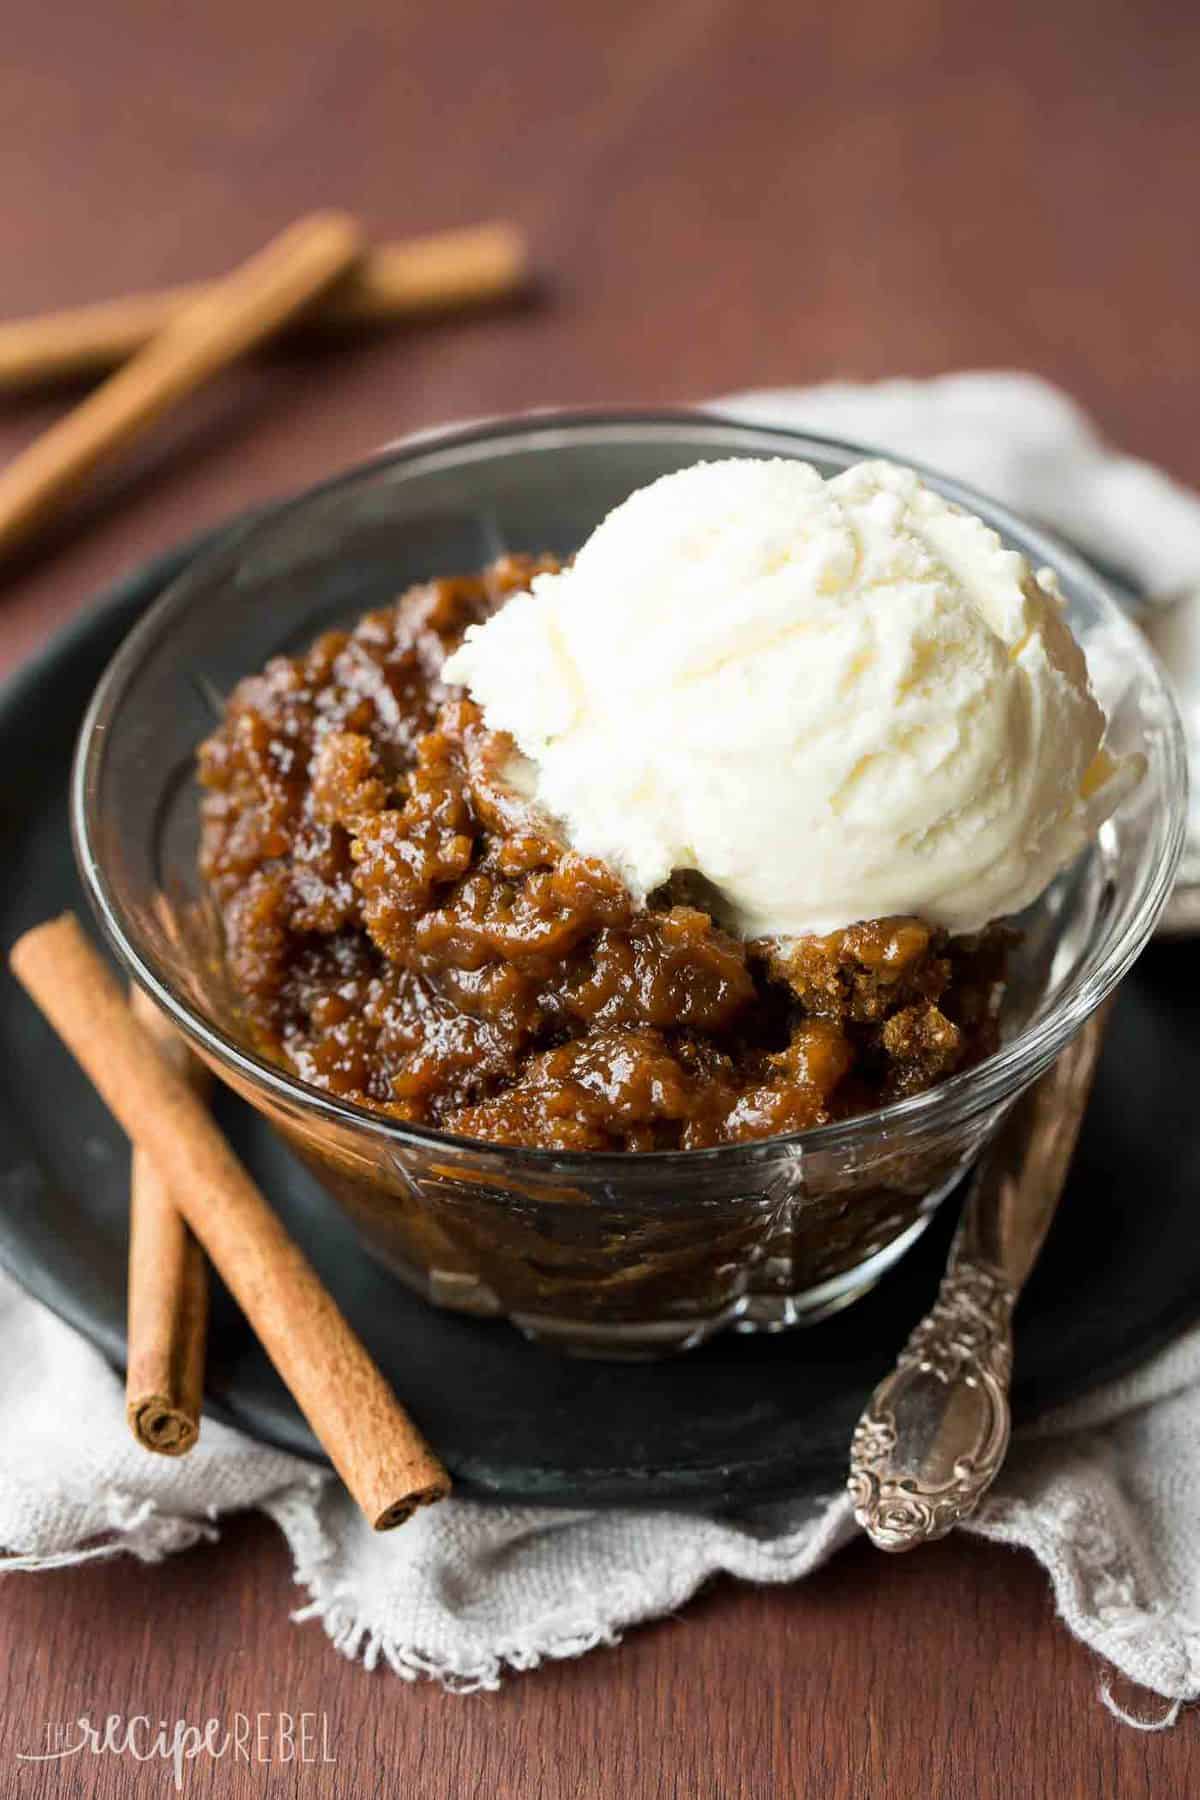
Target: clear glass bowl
x=608, y=1254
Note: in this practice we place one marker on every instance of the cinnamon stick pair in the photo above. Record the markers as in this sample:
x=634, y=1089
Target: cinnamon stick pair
x=177, y=340
x=373, y=1444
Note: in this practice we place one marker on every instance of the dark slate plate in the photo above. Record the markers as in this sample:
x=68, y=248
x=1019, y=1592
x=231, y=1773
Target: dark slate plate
x=743, y=1418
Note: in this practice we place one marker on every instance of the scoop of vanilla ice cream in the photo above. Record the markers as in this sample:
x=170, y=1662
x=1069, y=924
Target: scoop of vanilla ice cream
x=836, y=700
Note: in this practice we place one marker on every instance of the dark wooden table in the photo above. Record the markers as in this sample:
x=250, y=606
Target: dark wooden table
x=720, y=194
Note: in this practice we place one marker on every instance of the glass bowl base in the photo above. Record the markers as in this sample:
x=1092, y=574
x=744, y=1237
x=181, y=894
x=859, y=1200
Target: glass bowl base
x=640, y=1340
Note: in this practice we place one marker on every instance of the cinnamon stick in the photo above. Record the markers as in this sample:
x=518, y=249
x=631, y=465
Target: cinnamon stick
x=439, y=273
x=208, y=333
x=168, y=1285
x=371, y=1441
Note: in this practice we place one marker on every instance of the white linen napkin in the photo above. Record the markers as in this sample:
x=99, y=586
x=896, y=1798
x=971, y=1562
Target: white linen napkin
x=1106, y=1493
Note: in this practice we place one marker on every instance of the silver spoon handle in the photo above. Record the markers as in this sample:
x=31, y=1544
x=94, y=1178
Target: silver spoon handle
x=935, y=1432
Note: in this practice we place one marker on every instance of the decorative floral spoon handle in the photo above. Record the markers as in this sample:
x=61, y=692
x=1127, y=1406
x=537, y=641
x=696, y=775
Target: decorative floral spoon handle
x=934, y=1435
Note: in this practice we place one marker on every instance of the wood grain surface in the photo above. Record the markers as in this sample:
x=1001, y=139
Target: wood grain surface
x=719, y=194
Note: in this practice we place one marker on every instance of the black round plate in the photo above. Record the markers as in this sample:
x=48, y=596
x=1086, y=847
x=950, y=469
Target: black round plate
x=741, y=1419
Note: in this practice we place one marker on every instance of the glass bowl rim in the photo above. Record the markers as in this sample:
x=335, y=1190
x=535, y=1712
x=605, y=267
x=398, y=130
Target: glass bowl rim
x=946, y=1105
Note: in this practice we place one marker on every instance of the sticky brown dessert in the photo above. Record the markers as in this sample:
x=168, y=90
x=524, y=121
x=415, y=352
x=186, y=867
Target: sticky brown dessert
x=403, y=931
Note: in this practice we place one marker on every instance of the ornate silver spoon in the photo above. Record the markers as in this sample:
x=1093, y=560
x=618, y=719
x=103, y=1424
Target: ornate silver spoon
x=935, y=1432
